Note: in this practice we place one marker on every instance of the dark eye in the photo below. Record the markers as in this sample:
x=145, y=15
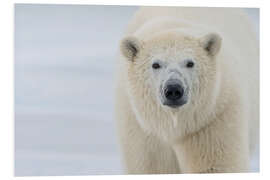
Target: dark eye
x=190, y=64
x=155, y=66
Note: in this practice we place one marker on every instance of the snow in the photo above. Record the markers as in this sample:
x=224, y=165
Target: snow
x=64, y=68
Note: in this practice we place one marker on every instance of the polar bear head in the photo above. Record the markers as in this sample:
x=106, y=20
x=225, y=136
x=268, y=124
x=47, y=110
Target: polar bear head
x=171, y=72
x=175, y=67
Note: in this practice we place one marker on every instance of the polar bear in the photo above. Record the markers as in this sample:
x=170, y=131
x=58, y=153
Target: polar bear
x=187, y=94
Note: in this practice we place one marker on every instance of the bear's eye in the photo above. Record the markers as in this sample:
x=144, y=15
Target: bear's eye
x=155, y=66
x=190, y=64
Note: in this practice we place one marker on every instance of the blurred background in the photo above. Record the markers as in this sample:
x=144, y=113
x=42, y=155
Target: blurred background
x=64, y=100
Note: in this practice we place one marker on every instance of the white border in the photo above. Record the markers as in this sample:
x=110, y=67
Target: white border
x=7, y=83
x=201, y=3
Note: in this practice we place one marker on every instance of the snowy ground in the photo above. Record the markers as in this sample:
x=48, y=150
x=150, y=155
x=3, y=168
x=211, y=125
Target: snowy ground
x=64, y=66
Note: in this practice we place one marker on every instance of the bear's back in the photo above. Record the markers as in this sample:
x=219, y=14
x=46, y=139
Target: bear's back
x=229, y=20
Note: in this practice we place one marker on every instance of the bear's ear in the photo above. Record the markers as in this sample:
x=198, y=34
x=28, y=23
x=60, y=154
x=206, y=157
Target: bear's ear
x=129, y=47
x=211, y=43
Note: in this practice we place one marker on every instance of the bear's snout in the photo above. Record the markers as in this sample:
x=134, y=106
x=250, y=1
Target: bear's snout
x=174, y=93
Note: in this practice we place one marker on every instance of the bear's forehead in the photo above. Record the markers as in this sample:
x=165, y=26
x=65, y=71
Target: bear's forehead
x=171, y=42
x=168, y=41
x=173, y=37
x=173, y=45
x=172, y=53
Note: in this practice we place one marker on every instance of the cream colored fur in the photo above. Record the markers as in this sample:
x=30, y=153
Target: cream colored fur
x=216, y=131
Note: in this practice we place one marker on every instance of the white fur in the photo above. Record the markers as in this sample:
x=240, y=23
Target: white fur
x=217, y=129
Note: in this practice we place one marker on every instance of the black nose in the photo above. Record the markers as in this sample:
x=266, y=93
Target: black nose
x=174, y=92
